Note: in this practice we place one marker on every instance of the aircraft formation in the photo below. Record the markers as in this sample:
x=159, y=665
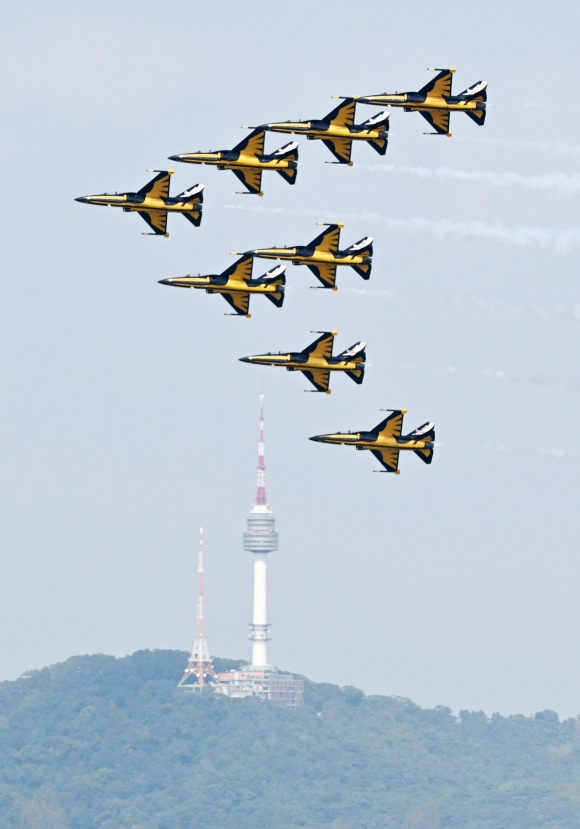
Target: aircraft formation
x=248, y=161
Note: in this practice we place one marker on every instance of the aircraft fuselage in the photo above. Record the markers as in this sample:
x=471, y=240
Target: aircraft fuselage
x=214, y=284
x=226, y=159
x=303, y=255
x=416, y=101
x=133, y=201
x=324, y=129
x=296, y=361
x=368, y=440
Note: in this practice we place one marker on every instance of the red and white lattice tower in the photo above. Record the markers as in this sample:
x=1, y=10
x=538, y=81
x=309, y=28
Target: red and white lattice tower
x=200, y=670
x=260, y=538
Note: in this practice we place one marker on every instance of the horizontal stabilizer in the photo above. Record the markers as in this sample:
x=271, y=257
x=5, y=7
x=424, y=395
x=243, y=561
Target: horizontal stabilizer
x=379, y=144
x=358, y=375
x=288, y=173
x=477, y=115
x=363, y=270
x=194, y=218
x=277, y=297
x=426, y=455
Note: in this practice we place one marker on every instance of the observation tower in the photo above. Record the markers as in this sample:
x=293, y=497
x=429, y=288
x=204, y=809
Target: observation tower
x=260, y=539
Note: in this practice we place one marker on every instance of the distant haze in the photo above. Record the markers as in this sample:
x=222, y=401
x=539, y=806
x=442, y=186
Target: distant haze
x=128, y=421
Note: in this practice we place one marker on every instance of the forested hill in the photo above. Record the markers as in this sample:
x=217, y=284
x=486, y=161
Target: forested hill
x=114, y=744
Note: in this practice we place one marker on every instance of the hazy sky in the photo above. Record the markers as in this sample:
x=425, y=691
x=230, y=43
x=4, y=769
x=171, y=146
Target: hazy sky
x=128, y=421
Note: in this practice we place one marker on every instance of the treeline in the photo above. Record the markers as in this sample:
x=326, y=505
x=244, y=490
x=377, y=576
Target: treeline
x=104, y=743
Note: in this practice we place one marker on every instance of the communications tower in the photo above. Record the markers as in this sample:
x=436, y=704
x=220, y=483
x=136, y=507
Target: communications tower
x=200, y=670
x=260, y=539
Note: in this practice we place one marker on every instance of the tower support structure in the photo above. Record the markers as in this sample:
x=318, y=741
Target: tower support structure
x=200, y=670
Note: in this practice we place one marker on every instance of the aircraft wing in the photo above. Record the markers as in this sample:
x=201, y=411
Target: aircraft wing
x=328, y=240
x=322, y=347
x=391, y=426
x=389, y=458
x=241, y=269
x=340, y=148
x=319, y=377
x=252, y=145
x=325, y=273
x=158, y=187
x=240, y=302
x=438, y=118
x=343, y=114
x=440, y=86
x=156, y=219
x=250, y=177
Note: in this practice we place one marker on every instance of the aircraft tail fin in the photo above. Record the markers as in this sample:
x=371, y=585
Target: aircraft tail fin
x=424, y=432
x=380, y=121
x=476, y=92
x=277, y=278
x=364, y=248
x=289, y=152
x=194, y=193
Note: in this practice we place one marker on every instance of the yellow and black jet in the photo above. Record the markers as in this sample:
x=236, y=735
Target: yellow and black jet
x=385, y=441
x=248, y=160
x=435, y=101
x=337, y=131
x=322, y=255
x=316, y=361
x=153, y=202
x=236, y=285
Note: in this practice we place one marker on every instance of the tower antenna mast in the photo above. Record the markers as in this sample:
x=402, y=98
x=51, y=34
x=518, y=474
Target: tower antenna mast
x=200, y=670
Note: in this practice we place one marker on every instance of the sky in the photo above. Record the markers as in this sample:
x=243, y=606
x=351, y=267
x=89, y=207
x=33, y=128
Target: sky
x=128, y=421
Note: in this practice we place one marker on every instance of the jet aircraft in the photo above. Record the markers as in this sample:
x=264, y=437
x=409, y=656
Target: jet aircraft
x=322, y=255
x=435, y=101
x=385, y=440
x=337, y=131
x=247, y=160
x=316, y=361
x=236, y=285
x=153, y=202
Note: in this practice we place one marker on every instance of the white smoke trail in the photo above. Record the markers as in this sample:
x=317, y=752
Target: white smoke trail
x=559, y=383
x=522, y=236
x=557, y=147
x=556, y=182
x=493, y=307
x=555, y=454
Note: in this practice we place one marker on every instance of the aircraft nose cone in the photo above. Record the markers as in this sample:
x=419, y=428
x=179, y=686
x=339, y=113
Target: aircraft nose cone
x=317, y=438
x=246, y=359
x=165, y=281
x=174, y=158
x=84, y=199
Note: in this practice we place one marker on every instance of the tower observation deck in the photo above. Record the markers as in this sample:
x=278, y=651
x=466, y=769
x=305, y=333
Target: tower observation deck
x=260, y=539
